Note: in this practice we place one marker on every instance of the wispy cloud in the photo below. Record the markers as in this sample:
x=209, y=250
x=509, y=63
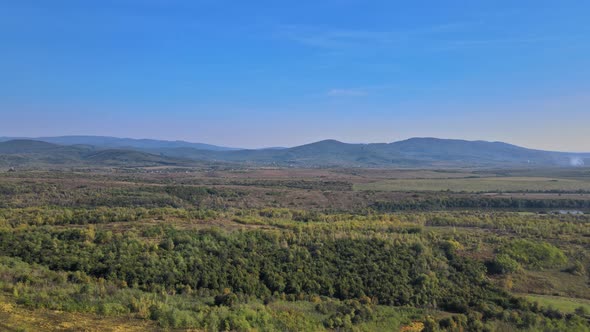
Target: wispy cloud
x=435, y=37
x=477, y=43
x=333, y=38
x=359, y=91
x=354, y=92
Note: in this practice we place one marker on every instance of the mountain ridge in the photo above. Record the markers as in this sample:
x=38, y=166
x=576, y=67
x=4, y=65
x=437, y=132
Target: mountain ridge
x=120, y=142
x=37, y=153
x=418, y=152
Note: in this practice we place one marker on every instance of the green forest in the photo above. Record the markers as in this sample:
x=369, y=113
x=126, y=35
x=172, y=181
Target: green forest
x=175, y=255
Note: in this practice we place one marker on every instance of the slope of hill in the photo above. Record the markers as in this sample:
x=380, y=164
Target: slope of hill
x=127, y=157
x=125, y=143
x=36, y=153
x=472, y=152
x=25, y=146
x=415, y=152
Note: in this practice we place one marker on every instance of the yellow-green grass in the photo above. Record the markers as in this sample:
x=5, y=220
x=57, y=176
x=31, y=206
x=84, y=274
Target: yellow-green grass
x=564, y=304
x=14, y=318
x=386, y=318
x=484, y=184
x=554, y=282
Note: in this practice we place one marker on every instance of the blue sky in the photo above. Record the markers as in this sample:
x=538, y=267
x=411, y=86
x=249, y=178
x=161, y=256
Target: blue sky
x=283, y=73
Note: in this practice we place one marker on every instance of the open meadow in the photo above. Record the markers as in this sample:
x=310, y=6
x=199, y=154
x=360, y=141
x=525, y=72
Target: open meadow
x=516, y=181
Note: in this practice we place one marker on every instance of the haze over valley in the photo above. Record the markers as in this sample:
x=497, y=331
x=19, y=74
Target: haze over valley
x=411, y=153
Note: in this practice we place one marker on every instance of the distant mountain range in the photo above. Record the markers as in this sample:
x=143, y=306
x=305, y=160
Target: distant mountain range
x=411, y=153
x=31, y=153
x=120, y=143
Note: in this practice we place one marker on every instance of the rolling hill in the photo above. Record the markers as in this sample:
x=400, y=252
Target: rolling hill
x=122, y=143
x=411, y=153
x=35, y=153
x=415, y=152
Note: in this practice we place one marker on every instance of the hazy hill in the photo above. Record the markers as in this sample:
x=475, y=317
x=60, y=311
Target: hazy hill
x=26, y=146
x=472, y=152
x=415, y=152
x=36, y=153
x=125, y=143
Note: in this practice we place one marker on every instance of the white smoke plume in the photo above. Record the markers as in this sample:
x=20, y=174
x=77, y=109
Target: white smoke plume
x=576, y=161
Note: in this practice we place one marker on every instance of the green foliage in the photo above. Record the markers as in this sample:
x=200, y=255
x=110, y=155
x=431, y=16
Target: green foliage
x=227, y=299
x=577, y=269
x=253, y=263
x=205, y=256
x=536, y=255
x=481, y=184
x=349, y=313
x=503, y=264
x=449, y=202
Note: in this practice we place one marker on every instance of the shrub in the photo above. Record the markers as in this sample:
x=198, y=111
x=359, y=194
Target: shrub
x=534, y=255
x=228, y=299
x=111, y=309
x=503, y=264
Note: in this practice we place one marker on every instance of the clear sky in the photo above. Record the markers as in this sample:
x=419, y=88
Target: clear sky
x=283, y=73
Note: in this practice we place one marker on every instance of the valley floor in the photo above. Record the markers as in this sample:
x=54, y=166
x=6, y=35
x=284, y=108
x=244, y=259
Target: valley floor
x=293, y=250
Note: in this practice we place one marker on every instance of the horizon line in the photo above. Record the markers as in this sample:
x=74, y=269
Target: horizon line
x=40, y=138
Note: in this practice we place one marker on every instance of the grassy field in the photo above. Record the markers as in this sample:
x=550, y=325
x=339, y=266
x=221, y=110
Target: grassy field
x=15, y=318
x=483, y=184
x=564, y=304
